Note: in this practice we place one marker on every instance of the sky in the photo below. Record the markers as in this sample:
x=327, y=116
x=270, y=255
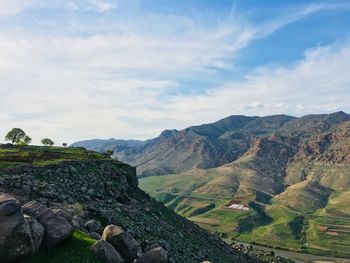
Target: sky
x=83, y=69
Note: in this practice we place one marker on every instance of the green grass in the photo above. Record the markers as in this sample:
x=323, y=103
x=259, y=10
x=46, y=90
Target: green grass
x=281, y=232
x=13, y=155
x=221, y=220
x=74, y=250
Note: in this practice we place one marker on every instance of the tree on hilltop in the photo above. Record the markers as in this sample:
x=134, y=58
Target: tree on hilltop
x=47, y=142
x=18, y=136
x=109, y=153
x=64, y=144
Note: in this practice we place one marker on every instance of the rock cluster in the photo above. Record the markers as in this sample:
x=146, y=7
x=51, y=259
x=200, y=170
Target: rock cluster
x=24, y=229
x=116, y=246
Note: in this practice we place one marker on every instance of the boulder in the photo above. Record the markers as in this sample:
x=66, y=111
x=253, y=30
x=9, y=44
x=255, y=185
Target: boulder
x=156, y=255
x=94, y=235
x=106, y=252
x=122, y=242
x=8, y=205
x=65, y=215
x=15, y=234
x=36, y=230
x=92, y=226
x=57, y=228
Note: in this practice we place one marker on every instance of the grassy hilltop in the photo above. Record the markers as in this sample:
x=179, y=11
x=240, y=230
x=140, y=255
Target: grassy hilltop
x=15, y=155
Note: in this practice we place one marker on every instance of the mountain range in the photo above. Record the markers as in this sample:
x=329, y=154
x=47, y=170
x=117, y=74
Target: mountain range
x=292, y=176
x=214, y=144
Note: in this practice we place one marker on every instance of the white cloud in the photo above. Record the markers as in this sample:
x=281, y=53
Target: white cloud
x=318, y=83
x=104, y=5
x=12, y=7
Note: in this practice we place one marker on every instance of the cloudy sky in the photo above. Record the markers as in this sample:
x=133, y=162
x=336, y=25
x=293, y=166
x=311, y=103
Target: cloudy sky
x=80, y=69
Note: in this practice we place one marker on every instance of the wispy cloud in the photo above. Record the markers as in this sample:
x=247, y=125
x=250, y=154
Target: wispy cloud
x=317, y=83
x=104, y=5
x=12, y=7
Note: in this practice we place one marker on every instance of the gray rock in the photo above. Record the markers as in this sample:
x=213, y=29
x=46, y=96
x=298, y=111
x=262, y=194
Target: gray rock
x=65, y=215
x=92, y=226
x=122, y=242
x=94, y=235
x=8, y=205
x=15, y=235
x=36, y=230
x=57, y=228
x=106, y=252
x=156, y=255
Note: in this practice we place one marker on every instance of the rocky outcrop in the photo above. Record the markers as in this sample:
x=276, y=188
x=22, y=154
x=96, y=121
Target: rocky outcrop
x=57, y=228
x=19, y=236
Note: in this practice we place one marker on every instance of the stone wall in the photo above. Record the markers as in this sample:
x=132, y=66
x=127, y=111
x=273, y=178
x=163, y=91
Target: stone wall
x=70, y=182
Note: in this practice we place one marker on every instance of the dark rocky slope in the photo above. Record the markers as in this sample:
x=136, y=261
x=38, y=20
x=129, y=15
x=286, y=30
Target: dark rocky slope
x=107, y=192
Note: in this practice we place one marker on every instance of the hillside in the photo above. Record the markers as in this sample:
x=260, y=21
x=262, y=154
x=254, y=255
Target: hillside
x=294, y=181
x=90, y=186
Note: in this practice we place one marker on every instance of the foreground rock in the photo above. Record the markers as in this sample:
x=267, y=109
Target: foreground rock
x=57, y=228
x=122, y=242
x=156, y=255
x=106, y=252
x=36, y=230
x=92, y=226
x=18, y=237
x=95, y=235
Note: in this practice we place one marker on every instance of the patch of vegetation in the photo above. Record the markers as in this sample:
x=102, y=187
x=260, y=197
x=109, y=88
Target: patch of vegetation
x=263, y=197
x=15, y=155
x=278, y=233
x=259, y=218
x=74, y=250
x=297, y=226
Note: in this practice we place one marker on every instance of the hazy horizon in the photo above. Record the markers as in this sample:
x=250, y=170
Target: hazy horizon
x=130, y=69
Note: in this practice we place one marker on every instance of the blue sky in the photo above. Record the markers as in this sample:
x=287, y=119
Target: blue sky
x=82, y=69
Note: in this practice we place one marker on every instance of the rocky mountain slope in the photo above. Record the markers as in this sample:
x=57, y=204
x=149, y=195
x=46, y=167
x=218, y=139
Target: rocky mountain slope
x=203, y=146
x=212, y=145
x=105, y=190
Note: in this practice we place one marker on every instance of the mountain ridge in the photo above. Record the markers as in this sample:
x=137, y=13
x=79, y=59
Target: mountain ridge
x=214, y=144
